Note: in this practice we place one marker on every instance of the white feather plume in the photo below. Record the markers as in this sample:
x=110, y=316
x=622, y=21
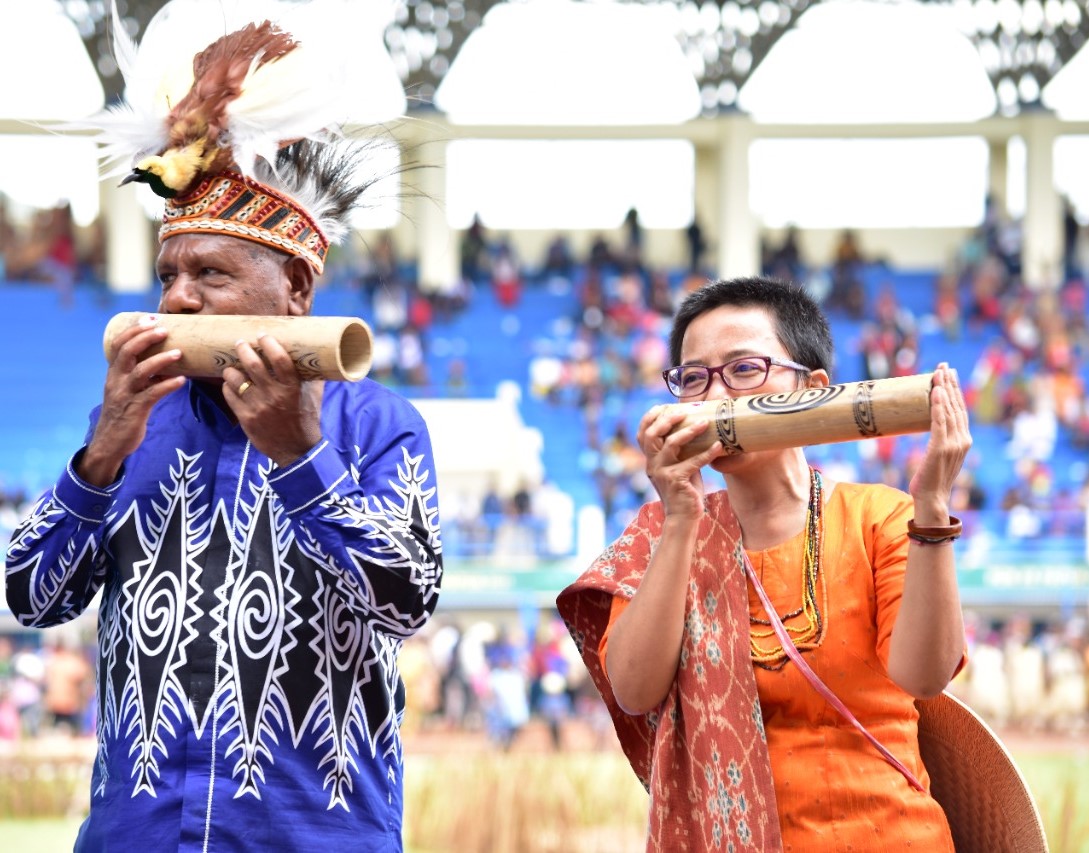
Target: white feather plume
x=306, y=94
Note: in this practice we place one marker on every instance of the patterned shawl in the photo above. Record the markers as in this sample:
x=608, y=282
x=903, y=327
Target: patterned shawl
x=702, y=755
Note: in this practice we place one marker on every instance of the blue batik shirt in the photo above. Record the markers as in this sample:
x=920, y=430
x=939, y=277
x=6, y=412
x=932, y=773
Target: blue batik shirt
x=249, y=624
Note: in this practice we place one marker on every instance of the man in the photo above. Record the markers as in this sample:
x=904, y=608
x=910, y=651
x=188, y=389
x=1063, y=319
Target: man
x=262, y=543
x=68, y=685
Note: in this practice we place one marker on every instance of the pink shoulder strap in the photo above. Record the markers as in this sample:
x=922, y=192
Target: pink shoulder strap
x=796, y=656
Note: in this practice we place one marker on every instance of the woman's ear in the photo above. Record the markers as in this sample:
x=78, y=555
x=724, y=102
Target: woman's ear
x=817, y=379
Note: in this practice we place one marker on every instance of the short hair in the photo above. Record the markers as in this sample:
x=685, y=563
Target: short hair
x=799, y=323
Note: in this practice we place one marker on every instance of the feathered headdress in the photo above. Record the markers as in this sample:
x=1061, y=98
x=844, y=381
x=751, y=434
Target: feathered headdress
x=232, y=113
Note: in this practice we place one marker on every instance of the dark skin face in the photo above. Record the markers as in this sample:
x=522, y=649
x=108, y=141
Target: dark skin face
x=214, y=274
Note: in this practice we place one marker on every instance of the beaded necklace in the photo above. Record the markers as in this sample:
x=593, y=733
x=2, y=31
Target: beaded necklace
x=808, y=635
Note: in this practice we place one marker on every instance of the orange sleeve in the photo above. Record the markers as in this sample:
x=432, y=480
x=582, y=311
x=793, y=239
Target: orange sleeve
x=890, y=514
x=618, y=606
x=889, y=546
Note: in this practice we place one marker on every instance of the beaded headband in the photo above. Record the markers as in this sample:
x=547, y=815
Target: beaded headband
x=238, y=206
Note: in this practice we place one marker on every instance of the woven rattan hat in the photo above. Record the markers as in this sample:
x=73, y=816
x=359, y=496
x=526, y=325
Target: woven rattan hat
x=989, y=806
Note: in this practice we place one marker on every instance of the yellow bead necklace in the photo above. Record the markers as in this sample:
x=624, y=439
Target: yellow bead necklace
x=809, y=634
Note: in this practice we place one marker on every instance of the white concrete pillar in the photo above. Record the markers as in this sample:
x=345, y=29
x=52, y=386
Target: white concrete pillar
x=1042, y=237
x=998, y=163
x=438, y=246
x=404, y=236
x=131, y=242
x=737, y=233
x=706, y=199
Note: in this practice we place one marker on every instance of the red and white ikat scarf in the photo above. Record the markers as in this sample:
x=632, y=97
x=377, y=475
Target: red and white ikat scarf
x=702, y=755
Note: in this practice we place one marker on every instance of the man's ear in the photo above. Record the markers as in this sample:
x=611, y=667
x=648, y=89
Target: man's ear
x=818, y=379
x=300, y=277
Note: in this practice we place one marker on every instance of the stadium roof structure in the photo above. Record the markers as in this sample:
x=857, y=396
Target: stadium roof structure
x=1022, y=45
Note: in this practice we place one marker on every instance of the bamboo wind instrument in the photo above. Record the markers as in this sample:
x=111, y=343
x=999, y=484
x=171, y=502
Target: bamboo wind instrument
x=845, y=412
x=337, y=348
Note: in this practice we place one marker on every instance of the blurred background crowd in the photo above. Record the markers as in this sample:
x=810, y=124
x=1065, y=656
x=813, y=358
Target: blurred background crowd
x=500, y=678
x=580, y=341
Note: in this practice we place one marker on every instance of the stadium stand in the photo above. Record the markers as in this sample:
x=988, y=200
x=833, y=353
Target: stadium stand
x=567, y=383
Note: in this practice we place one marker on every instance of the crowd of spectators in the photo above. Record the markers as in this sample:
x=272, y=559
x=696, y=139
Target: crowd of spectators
x=49, y=249
x=498, y=677
x=1029, y=348
x=1027, y=381
x=1028, y=375
x=45, y=689
x=1029, y=378
x=1028, y=676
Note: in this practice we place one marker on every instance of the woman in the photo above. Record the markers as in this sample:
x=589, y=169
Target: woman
x=732, y=740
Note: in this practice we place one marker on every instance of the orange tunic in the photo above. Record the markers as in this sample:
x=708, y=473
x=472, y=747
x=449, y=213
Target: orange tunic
x=834, y=791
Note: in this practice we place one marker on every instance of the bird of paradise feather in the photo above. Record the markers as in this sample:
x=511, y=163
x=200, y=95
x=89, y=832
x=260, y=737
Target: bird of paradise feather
x=217, y=84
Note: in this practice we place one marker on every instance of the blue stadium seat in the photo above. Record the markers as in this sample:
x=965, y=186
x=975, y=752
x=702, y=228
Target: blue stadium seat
x=52, y=368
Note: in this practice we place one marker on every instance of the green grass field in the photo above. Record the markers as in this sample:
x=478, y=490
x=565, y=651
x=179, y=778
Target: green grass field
x=1060, y=785
x=545, y=802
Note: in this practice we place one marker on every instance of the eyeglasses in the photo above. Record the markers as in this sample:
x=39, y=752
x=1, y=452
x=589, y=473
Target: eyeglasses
x=741, y=374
